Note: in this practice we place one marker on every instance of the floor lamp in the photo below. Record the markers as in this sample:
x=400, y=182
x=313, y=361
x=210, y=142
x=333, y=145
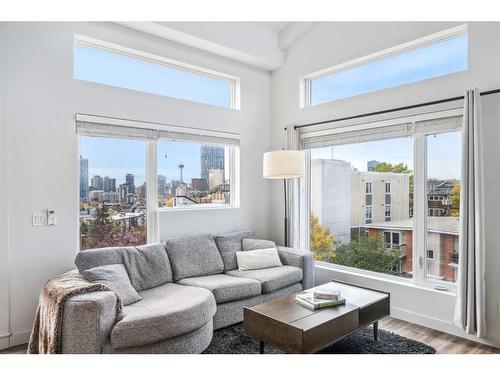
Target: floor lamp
x=284, y=164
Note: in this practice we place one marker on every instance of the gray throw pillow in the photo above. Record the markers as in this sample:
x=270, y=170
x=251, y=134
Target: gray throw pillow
x=115, y=277
x=254, y=244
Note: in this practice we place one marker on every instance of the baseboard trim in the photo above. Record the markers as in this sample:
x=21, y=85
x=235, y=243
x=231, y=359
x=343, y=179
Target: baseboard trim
x=19, y=338
x=441, y=325
x=4, y=343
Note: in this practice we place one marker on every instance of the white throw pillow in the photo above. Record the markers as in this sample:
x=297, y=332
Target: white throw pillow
x=258, y=259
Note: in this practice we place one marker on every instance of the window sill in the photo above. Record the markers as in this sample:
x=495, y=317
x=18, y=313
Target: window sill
x=205, y=208
x=365, y=275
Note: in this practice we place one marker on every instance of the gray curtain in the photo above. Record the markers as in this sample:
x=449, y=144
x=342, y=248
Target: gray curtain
x=470, y=304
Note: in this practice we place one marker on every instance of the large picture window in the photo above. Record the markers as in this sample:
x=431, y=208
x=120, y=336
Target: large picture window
x=194, y=175
x=443, y=213
x=114, y=65
x=386, y=198
x=131, y=171
x=436, y=55
x=113, y=195
x=348, y=198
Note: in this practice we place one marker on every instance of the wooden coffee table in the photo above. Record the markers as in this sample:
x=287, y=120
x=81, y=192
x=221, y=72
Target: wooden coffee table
x=293, y=328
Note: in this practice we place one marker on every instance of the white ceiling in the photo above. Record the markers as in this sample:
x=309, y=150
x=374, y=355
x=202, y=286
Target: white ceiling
x=261, y=44
x=275, y=25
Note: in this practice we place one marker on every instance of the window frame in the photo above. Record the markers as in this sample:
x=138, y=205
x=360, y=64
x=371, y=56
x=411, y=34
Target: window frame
x=234, y=81
x=419, y=238
x=234, y=183
x=305, y=82
x=153, y=211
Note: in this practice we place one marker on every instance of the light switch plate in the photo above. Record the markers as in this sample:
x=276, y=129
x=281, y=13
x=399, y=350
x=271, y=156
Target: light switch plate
x=39, y=218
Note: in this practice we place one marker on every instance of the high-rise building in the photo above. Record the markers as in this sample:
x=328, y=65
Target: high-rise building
x=109, y=184
x=141, y=192
x=125, y=194
x=97, y=183
x=129, y=179
x=371, y=165
x=84, y=178
x=215, y=178
x=162, y=186
x=211, y=157
x=199, y=184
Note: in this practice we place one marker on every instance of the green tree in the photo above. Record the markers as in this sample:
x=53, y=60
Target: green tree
x=321, y=241
x=394, y=168
x=368, y=254
x=455, y=201
x=101, y=231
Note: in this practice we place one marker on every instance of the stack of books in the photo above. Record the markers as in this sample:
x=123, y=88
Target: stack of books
x=320, y=298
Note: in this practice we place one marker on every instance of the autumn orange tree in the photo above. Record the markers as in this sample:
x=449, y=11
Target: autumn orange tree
x=455, y=201
x=321, y=241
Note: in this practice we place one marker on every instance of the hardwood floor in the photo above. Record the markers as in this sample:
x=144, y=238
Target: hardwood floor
x=443, y=342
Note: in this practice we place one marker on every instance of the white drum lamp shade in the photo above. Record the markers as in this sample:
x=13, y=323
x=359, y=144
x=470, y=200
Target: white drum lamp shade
x=283, y=164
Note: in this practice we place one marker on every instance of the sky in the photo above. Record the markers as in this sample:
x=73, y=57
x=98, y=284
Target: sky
x=116, y=158
x=443, y=154
x=100, y=66
x=449, y=56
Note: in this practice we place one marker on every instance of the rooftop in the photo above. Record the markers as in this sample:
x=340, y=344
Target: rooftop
x=436, y=224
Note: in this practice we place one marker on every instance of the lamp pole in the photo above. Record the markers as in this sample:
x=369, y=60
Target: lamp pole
x=286, y=214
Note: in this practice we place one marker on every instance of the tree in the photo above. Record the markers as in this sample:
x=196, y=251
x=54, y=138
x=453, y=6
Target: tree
x=368, y=253
x=321, y=241
x=455, y=201
x=101, y=231
x=394, y=168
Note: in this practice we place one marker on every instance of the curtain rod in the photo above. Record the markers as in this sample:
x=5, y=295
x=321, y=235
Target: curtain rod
x=496, y=91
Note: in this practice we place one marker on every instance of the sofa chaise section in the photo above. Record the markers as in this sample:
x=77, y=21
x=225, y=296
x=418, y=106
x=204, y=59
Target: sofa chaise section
x=166, y=311
x=169, y=315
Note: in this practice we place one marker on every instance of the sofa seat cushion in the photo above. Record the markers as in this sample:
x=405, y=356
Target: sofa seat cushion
x=166, y=311
x=272, y=278
x=226, y=288
x=194, y=256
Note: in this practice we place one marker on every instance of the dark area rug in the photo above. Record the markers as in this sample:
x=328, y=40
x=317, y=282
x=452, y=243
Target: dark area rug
x=233, y=340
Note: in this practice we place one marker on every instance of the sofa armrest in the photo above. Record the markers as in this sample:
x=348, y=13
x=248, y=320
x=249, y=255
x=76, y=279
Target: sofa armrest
x=301, y=259
x=87, y=322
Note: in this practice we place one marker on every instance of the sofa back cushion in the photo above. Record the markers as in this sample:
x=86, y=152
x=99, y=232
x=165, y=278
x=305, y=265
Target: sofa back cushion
x=228, y=244
x=147, y=266
x=193, y=256
x=248, y=244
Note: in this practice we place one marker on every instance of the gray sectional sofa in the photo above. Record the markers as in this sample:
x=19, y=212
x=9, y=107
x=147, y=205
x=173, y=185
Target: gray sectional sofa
x=189, y=286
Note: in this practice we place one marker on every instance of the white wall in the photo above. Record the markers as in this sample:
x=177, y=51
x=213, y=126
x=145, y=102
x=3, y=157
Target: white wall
x=329, y=44
x=4, y=270
x=41, y=99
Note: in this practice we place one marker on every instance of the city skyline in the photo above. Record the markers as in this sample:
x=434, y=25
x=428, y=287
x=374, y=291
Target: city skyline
x=129, y=156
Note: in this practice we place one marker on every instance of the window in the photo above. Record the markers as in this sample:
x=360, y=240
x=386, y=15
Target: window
x=387, y=212
x=130, y=170
x=113, y=195
x=443, y=225
x=368, y=188
x=415, y=201
x=354, y=233
x=432, y=56
x=113, y=65
x=194, y=175
x=368, y=214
